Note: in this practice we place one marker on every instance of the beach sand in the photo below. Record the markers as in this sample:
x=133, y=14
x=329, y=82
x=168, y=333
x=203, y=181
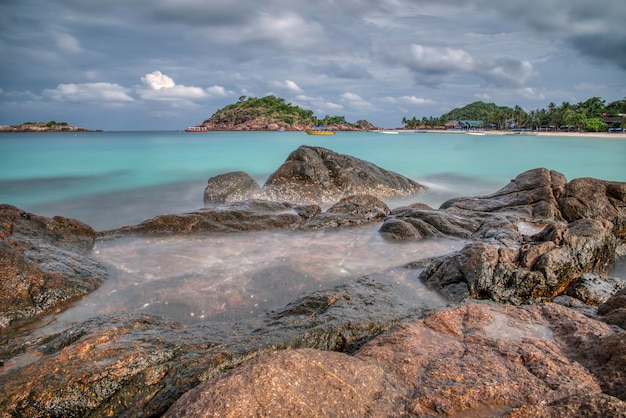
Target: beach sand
x=561, y=134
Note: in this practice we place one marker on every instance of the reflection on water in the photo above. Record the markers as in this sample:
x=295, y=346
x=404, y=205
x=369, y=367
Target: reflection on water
x=233, y=276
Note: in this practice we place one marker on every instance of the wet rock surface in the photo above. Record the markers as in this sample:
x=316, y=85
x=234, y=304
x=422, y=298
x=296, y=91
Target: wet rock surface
x=259, y=215
x=43, y=263
x=316, y=175
x=137, y=364
x=582, y=223
x=355, y=349
x=483, y=359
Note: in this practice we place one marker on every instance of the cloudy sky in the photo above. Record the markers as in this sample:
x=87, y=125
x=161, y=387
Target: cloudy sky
x=168, y=64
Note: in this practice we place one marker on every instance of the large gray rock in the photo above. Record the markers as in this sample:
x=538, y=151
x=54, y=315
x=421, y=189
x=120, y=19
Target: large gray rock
x=230, y=187
x=476, y=360
x=540, y=269
x=316, y=175
x=44, y=263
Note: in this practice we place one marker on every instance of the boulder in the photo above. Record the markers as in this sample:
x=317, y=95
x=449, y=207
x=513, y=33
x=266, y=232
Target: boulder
x=315, y=175
x=44, y=263
x=229, y=187
x=597, y=199
x=350, y=211
x=613, y=311
x=475, y=360
x=538, y=270
x=533, y=193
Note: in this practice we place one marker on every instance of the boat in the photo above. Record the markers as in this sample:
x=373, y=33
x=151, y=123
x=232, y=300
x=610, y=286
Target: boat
x=521, y=132
x=388, y=132
x=197, y=129
x=320, y=130
x=475, y=133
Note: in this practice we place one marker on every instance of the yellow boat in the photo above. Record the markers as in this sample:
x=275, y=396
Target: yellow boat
x=320, y=130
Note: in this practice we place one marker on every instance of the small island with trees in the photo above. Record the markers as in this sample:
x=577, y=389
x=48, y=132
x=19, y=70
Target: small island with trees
x=273, y=113
x=51, y=126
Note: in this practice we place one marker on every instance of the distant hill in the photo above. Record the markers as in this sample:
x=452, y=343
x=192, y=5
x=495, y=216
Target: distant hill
x=272, y=113
x=473, y=111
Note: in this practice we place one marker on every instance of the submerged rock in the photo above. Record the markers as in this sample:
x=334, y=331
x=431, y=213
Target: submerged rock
x=315, y=175
x=43, y=263
x=478, y=360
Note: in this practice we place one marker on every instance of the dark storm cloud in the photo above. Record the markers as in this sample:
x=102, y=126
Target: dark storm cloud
x=183, y=59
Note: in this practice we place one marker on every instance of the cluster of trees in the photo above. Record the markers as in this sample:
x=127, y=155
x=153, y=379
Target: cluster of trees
x=588, y=116
x=276, y=108
x=48, y=124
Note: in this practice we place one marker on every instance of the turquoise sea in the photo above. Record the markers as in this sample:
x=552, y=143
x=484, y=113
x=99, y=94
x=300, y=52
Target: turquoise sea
x=111, y=179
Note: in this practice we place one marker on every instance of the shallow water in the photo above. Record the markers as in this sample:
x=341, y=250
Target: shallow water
x=114, y=179
x=240, y=275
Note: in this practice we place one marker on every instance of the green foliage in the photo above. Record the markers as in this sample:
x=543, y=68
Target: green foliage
x=271, y=107
x=594, y=125
x=474, y=111
x=587, y=115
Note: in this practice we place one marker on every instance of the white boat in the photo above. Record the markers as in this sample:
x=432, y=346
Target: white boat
x=197, y=129
x=388, y=132
x=475, y=133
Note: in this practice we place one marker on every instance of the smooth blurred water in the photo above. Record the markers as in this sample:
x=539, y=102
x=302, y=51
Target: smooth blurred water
x=121, y=178
x=110, y=179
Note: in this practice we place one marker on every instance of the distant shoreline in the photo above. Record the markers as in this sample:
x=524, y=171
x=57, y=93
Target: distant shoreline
x=534, y=133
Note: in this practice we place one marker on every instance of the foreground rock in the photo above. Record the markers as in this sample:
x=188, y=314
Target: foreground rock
x=477, y=360
x=315, y=175
x=257, y=215
x=43, y=263
x=138, y=364
x=580, y=223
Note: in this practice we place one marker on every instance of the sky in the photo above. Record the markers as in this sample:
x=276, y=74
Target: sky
x=169, y=64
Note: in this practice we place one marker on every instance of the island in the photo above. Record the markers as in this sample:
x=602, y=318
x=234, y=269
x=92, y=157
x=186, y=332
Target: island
x=273, y=113
x=51, y=126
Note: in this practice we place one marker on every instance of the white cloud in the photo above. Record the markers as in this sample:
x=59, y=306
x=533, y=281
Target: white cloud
x=441, y=59
x=157, y=80
x=160, y=87
x=288, y=85
x=415, y=100
x=355, y=100
x=89, y=92
x=531, y=93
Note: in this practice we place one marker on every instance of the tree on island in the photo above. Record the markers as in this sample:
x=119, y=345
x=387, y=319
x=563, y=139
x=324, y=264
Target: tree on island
x=588, y=115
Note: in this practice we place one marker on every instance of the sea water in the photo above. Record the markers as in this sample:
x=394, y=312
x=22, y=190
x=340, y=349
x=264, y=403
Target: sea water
x=111, y=179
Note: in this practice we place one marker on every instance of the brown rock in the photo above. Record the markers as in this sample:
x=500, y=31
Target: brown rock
x=476, y=360
x=43, y=263
x=304, y=383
